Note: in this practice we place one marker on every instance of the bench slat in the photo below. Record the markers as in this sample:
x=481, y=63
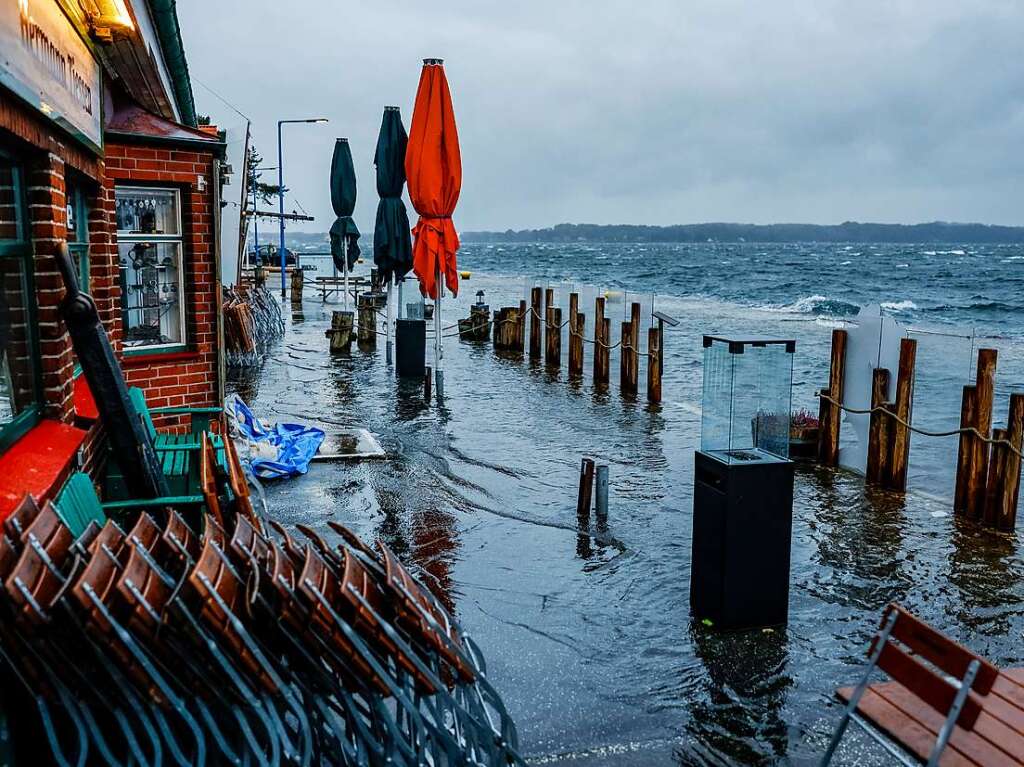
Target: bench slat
x=936, y=691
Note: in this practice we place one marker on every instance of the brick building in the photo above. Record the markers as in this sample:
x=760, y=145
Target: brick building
x=100, y=148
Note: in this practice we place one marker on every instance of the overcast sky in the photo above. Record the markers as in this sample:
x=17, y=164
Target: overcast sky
x=646, y=111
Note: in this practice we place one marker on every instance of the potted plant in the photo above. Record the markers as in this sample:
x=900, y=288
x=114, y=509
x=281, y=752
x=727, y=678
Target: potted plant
x=803, y=434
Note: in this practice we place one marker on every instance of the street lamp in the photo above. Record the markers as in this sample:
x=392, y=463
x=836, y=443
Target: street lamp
x=280, y=186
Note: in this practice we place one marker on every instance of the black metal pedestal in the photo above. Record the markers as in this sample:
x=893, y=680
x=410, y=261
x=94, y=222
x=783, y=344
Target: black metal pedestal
x=410, y=348
x=742, y=529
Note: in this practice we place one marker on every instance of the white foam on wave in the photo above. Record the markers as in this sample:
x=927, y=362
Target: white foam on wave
x=898, y=306
x=902, y=266
x=845, y=263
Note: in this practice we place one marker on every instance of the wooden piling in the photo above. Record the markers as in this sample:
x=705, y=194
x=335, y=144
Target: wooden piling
x=963, y=457
x=340, y=332
x=521, y=328
x=367, y=332
x=553, y=346
x=535, y=320
x=576, y=346
x=1006, y=512
x=878, y=425
x=653, y=365
x=628, y=362
x=298, y=281
x=996, y=478
x=600, y=343
x=586, y=492
x=830, y=416
x=634, y=339
x=977, y=467
x=899, y=435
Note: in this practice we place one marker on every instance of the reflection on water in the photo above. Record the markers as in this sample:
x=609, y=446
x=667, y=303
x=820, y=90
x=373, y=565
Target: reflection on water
x=589, y=637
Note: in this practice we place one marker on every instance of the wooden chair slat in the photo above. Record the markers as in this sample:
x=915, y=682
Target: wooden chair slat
x=936, y=691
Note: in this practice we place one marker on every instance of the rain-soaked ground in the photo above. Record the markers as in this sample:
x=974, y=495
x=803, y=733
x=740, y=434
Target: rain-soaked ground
x=590, y=642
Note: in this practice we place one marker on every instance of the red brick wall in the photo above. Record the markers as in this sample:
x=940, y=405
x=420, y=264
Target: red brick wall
x=188, y=378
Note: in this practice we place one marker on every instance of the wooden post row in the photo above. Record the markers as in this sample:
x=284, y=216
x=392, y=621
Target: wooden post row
x=830, y=416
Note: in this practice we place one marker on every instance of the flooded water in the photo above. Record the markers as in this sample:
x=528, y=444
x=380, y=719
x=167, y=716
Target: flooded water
x=590, y=639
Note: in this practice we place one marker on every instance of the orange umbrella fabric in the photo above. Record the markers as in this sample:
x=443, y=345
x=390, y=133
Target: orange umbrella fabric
x=433, y=167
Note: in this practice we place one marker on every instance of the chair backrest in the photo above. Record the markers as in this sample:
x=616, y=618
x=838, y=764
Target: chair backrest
x=138, y=400
x=924, y=661
x=78, y=505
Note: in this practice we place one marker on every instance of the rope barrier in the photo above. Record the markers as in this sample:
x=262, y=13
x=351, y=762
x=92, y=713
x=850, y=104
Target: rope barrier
x=922, y=432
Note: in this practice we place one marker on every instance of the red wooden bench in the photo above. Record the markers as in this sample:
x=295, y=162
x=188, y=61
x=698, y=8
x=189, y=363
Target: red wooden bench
x=944, y=704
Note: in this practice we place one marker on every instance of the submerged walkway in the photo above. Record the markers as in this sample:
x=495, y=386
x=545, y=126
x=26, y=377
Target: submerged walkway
x=589, y=642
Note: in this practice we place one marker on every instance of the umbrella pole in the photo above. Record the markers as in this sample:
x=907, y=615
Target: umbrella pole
x=344, y=257
x=387, y=322
x=438, y=346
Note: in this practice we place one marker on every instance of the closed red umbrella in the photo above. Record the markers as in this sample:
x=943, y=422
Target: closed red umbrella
x=433, y=168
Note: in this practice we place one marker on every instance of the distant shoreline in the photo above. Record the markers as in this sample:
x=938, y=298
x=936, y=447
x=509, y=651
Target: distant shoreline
x=933, y=233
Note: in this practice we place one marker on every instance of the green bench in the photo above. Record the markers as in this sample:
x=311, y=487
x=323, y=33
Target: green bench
x=178, y=453
x=77, y=505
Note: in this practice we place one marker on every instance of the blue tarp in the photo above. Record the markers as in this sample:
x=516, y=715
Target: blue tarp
x=295, y=444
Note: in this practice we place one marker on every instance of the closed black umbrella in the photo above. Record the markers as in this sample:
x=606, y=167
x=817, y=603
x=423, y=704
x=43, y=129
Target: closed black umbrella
x=392, y=243
x=344, y=233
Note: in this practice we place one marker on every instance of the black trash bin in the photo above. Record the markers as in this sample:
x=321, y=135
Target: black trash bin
x=410, y=348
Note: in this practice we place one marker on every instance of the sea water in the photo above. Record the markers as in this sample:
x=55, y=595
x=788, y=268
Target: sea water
x=589, y=638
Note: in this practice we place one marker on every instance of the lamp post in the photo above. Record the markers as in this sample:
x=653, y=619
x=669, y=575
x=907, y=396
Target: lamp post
x=280, y=187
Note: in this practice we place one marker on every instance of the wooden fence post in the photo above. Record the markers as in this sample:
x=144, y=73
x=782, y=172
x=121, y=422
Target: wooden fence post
x=995, y=480
x=1006, y=513
x=600, y=343
x=653, y=365
x=963, y=457
x=553, y=352
x=899, y=435
x=521, y=328
x=634, y=358
x=977, y=468
x=830, y=416
x=576, y=321
x=535, y=320
x=879, y=423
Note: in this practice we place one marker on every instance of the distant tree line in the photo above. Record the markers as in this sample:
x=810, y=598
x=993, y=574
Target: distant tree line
x=849, y=231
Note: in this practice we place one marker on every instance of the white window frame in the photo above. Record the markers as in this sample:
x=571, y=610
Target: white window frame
x=124, y=236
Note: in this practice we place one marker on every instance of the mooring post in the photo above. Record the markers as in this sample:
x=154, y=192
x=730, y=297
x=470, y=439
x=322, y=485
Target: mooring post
x=553, y=352
x=830, y=416
x=654, y=365
x=575, y=337
x=340, y=332
x=878, y=426
x=625, y=337
x=978, y=466
x=963, y=457
x=585, y=493
x=535, y=320
x=298, y=280
x=601, y=501
x=1006, y=513
x=899, y=435
x=996, y=478
x=367, y=334
x=521, y=327
x=600, y=343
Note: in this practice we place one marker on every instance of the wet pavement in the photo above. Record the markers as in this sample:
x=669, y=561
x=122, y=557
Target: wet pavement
x=589, y=639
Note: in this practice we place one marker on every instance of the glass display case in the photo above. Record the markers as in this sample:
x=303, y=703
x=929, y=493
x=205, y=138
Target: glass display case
x=746, y=399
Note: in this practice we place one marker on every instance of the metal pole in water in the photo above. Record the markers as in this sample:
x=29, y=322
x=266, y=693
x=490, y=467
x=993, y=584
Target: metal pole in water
x=601, y=503
x=387, y=323
x=438, y=346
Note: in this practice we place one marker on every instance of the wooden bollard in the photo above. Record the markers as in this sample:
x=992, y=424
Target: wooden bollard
x=521, y=327
x=340, y=332
x=577, y=324
x=367, y=333
x=600, y=343
x=535, y=320
x=879, y=426
x=634, y=340
x=998, y=453
x=1006, y=512
x=977, y=468
x=830, y=416
x=628, y=362
x=298, y=281
x=553, y=345
x=586, y=492
x=899, y=435
x=653, y=365
x=963, y=456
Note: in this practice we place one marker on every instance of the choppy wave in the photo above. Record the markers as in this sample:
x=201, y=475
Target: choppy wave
x=817, y=305
x=899, y=306
x=978, y=307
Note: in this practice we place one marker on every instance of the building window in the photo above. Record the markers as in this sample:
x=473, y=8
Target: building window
x=78, y=230
x=20, y=395
x=149, y=247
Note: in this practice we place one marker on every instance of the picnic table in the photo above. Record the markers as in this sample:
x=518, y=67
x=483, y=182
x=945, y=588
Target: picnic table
x=329, y=285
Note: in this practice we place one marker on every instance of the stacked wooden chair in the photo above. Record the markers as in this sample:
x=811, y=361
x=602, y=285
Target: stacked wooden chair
x=212, y=637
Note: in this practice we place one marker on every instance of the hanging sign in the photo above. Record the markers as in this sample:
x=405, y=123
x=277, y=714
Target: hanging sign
x=45, y=61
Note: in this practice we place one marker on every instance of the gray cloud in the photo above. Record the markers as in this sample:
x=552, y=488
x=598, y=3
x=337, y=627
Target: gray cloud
x=649, y=111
